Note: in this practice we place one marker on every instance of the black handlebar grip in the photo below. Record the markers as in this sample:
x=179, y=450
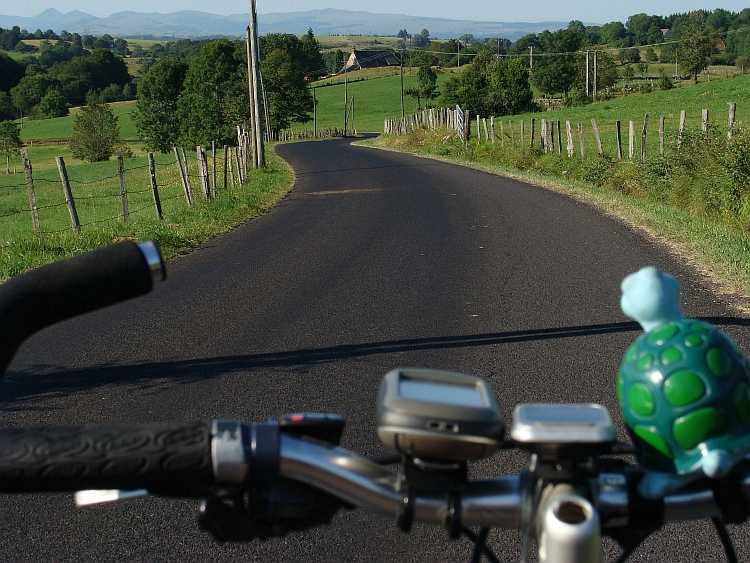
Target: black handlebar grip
x=170, y=459
x=61, y=290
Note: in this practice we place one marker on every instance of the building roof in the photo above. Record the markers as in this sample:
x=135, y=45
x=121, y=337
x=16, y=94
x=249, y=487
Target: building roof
x=369, y=59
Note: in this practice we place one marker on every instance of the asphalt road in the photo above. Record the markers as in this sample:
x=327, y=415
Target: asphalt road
x=375, y=260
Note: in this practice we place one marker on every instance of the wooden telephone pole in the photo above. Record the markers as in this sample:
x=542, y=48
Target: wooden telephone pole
x=253, y=74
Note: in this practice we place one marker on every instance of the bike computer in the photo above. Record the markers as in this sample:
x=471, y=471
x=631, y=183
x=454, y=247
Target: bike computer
x=438, y=415
x=552, y=429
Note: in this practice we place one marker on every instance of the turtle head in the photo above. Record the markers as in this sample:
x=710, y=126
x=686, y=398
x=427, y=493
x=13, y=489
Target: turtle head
x=651, y=297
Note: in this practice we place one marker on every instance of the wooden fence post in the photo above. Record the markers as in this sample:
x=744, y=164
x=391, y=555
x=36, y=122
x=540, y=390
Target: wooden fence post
x=559, y=137
x=512, y=134
x=571, y=148
x=522, y=134
x=531, y=136
x=598, y=138
x=187, y=176
x=619, y=139
x=225, y=167
x=543, y=135
x=213, y=171
x=123, y=187
x=502, y=134
x=661, y=135
x=467, y=125
x=154, y=188
x=682, y=128
x=30, y=189
x=643, y=138
x=231, y=165
x=492, y=128
x=203, y=172
x=631, y=140
x=730, y=124
x=580, y=140
x=479, y=130
x=68, y=194
x=704, y=120
x=486, y=134
x=183, y=178
x=238, y=166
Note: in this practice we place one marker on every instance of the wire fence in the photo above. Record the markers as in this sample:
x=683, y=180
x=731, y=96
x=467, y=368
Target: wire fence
x=625, y=139
x=124, y=190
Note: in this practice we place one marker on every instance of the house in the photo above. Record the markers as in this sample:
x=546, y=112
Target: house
x=369, y=59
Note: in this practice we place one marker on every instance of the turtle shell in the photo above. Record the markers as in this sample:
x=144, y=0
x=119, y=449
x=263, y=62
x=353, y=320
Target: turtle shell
x=684, y=391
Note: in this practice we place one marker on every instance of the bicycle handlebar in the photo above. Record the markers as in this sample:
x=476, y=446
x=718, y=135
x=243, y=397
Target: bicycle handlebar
x=62, y=290
x=227, y=456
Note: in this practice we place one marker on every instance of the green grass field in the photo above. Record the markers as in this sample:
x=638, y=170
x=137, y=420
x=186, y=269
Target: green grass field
x=96, y=190
x=377, y=96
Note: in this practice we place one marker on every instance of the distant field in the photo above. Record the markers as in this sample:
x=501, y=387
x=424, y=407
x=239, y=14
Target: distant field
x=62, y=127
x=346, y=42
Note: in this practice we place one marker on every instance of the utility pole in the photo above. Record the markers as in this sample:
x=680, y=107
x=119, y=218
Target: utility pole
x=587, y=73
x=315, y=114
x=596, y=71
x=531, y=57
x=346, y=95
x=402, y=85
x=253, y=57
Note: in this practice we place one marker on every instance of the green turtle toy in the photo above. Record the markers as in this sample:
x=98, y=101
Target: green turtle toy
x=683, y=388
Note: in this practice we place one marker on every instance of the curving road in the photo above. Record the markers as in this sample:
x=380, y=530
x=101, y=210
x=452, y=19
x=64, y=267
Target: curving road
x=375, y=260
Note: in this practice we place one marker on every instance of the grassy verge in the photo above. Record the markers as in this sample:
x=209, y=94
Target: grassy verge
x=715, y=242
x=182, y=229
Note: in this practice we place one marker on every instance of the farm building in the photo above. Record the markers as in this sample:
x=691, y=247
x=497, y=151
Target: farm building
x=369, y=59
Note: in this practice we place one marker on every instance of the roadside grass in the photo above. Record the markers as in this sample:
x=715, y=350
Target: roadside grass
x=716, y=241
x=182, y=229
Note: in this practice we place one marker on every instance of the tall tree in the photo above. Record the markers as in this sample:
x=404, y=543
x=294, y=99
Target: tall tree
x=426, y=87
x=96, y=134
x=215, y=96
x=289, y=99
x=557, y=70
x=698, y=43
x=312, y=61
x=491, y=86
x=156, y=106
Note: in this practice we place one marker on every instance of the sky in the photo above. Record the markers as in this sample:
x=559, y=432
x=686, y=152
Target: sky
x=588, y=11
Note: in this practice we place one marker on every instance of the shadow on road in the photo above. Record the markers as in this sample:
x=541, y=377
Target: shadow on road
x=50, y=380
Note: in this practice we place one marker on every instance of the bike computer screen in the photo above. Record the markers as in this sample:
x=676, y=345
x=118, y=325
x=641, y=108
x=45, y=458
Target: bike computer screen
x=438, y=415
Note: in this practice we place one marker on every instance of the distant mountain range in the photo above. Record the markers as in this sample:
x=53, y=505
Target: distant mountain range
x=190, y=24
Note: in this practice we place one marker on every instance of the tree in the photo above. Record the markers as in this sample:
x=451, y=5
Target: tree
x=665, y=82
x=651, y=55
x=31, y=90
x=53, y=104
x=557, y=71
x=312, y=60
x=96, y=135
x=697, y=45
x=10, y=140
x=426, y=87
x=628, y=73
x=11, y=72
x=742, y=62
x=491, y=86
x=289, y=99
x=156, y=106
x=643, y=69
x=215, y=95
x=421, y=40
